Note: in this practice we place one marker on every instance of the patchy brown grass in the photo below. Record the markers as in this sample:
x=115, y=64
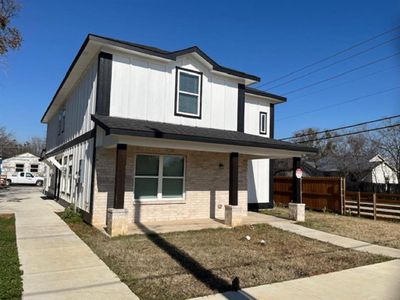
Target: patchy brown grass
x=188, y=264
x=384, y=233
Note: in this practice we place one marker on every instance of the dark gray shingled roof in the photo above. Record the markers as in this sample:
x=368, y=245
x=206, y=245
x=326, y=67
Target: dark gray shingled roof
x=134, y=127
x=254, y=91
x=172, y=54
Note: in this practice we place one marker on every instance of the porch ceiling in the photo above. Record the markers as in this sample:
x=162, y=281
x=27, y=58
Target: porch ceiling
x=165, y=135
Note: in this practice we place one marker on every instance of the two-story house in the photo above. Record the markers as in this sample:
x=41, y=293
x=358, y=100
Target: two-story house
x=137, y=134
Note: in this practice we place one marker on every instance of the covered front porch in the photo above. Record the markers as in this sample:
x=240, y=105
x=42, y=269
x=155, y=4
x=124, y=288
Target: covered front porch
x=210, y=166
x=251, y=218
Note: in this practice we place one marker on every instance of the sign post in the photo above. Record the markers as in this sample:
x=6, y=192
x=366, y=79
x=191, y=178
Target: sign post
x=299, y=175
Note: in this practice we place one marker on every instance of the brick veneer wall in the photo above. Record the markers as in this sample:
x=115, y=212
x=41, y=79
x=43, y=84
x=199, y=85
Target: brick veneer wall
x=206, y=187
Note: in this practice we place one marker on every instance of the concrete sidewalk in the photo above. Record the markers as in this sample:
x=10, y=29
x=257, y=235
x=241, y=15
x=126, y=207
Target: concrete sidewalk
x=56, y=263
x=379, y=281
x=327, y=237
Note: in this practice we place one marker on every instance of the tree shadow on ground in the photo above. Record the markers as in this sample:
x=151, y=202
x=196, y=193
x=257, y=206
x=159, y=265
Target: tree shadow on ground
x=212, y=281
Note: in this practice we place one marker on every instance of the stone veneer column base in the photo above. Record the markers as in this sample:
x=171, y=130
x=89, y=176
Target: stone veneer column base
x=233, y=215
x=117, y=221
x=297, y=212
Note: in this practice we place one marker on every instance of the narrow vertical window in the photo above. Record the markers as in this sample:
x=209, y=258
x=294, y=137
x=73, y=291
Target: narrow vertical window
x=64, y=175
x=69, y=182
x=263, y=123
x=188, y=93
x=63, y=121
x=59, y=123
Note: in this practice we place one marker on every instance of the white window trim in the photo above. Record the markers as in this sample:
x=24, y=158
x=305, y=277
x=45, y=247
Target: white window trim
x=160, y=178
x=178, y=91
x=64, y=174
x=34, y=168
x=263, y=115
x=69, y=174
x=19, y=168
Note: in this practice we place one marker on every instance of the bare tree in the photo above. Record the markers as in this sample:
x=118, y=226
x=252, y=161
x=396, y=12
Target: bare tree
x=10, y=37
x=35, y=145
x=9, y=146
x=307, y=137
x=352, y=155
x=282, y=166
x=8, y=143
x=310, y=138
x=388, y=142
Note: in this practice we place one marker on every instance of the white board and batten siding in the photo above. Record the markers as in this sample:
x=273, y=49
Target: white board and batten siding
x=257, y=169
x=382, y=173
x=80, y=189
x=142, y=88
x=79, y=106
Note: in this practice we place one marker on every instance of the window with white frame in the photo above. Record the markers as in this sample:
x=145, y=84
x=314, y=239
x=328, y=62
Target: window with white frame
x=19, y=167
x=188, y=93
x=64, y=175
x=69, y=175
x=263, y=123
x=159, y=177
x=34, y=168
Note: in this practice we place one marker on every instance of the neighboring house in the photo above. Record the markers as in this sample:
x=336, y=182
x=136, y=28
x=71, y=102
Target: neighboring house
x=381, y=171
x=373, y=170
x=25, y=162
x=139, y=134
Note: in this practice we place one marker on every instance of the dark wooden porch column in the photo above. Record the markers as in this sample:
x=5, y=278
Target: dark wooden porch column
x=296, y=181
x=119, y=183
x=233, y=178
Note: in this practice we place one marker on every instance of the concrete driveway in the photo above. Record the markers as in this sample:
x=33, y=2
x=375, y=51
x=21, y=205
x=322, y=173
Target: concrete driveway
x=56, y=263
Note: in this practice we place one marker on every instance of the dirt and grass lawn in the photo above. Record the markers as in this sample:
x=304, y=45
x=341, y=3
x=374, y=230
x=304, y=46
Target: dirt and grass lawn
x=188, y=264
x=10, y=274
x=384, y=233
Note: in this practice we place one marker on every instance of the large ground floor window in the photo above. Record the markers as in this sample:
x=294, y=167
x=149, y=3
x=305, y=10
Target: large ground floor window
x=159, y=177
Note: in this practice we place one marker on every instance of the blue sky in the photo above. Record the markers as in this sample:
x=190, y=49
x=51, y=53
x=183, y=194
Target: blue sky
x=265, y=38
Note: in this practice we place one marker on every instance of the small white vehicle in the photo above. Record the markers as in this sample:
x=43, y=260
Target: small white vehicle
x=25, y=178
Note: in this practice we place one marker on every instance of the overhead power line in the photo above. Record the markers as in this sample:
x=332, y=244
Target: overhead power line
x=331, y=56
x=350, y=133
x=334, y=63
x=341, y=128
x=340, y=103
x=344, y=83
x=341, y=74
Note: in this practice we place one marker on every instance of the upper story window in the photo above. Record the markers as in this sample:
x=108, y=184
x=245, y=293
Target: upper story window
x=61, y=121
x=263, y=123
x=188, y=93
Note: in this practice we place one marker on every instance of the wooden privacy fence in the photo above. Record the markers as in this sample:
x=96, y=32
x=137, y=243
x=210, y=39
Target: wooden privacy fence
x=319, y=193
x=329, y=193
x=374, y=205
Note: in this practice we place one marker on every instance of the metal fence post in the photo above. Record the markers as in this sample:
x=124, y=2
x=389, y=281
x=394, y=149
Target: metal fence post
x=342, y=196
